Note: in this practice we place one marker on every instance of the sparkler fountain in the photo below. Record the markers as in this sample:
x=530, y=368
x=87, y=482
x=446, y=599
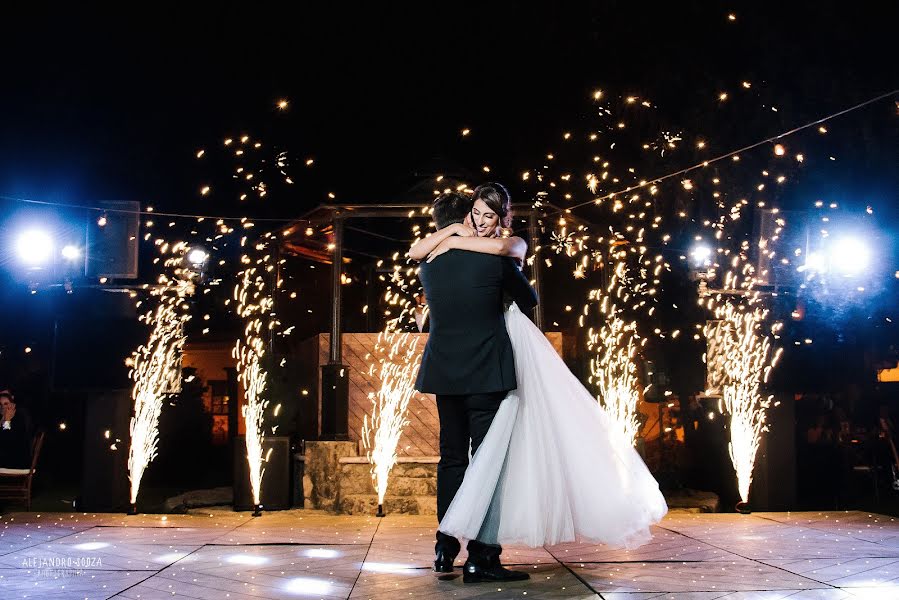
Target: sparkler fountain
x=381, y=433
x=254, y=307
x=155, y=365
x=746, y=361
x=615, y=344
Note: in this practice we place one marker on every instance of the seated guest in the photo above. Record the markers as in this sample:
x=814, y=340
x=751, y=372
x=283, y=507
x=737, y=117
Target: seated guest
x=15, y=434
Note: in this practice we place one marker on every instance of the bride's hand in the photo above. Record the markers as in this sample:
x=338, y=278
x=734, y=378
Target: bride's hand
x=464, y=229
x=444, y=246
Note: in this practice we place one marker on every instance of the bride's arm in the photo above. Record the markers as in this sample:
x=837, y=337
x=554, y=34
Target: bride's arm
x=424, y=246
x=514, y=247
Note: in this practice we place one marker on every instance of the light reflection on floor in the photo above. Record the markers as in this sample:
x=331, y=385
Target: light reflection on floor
x=219, y=555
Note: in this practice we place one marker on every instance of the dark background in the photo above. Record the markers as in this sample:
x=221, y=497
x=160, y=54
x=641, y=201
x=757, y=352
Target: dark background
x=112, y=102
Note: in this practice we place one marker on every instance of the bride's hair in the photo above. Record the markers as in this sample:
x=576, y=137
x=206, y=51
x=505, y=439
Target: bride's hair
x=496, y=196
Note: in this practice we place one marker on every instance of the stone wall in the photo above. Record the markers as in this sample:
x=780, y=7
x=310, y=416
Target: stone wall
x=337, y=479
x=412, y=488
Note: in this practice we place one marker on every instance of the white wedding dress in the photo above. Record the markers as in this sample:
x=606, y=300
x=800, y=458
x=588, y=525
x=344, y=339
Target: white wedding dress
x=558, y=470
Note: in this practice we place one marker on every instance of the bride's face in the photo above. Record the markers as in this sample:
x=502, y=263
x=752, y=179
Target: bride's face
x=483, y=219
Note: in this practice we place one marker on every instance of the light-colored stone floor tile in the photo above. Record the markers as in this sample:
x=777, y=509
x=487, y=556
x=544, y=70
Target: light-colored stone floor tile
x=242, y=585
x=59, y=519
x=843, y=572
x=814, y=594
x=218, y=517
x=415, y=546
x=219, y=554
x=22, y=530
x=64, y=584
x=423, y=521
x=192, y=536
x=546, y=582
x=17, y=538
x=106, y=556
x=726, y=576
x=665, y=546
x=757, y=538
x=299, y=527
x=874, y=593
x=858, y=524
x=803, y=545
x=345, y=560
x=661, y=596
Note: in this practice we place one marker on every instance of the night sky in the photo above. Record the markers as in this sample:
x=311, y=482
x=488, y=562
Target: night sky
x=112, y=103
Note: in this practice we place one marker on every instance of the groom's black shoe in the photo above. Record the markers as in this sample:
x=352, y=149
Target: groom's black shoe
x=444, y=562
x=493, y=571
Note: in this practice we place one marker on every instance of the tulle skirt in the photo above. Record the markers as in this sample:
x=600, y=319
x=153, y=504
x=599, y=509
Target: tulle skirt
x=558, y=471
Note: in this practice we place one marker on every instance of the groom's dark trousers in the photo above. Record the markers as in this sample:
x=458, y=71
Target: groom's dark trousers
x=467, y=363
x=462, y=417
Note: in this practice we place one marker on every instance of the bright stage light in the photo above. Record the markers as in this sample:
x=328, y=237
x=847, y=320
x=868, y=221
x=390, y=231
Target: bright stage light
x=35, y=247
x=815, y=262
x=70, y=252
x=849, y=256
x=701, y=256
x=197, y=256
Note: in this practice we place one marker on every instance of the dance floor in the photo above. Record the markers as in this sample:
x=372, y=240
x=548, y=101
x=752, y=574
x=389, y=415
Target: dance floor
x=218, y=554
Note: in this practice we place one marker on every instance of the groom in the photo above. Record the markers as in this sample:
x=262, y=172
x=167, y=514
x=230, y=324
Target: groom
x=468, y=364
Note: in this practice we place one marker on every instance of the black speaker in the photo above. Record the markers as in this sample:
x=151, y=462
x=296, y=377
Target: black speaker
x=111, y=249
x=104, y=482
x=656, y=380
x=774, y=478
x=276, y=483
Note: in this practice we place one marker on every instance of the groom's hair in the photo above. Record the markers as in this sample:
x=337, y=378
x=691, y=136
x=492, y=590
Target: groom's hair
x=449, y=208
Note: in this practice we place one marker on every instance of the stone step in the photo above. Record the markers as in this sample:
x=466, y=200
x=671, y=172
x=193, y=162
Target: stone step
x=400, y=469
x=367, y=504
x=406, y=479
x=362, y=483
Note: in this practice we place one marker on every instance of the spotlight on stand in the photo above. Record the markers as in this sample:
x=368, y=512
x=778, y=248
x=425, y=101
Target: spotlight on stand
x=197, y=257
x=701, y=256
x=849, y=256
x=814, y=262
x=701, y=268
x=35, y=247
x=71, y=252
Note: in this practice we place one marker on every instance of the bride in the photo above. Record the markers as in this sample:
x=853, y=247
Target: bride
x=552, y=468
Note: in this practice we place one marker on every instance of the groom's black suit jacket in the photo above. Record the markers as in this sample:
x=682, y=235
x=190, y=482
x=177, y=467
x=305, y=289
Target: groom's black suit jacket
x=468, y=349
